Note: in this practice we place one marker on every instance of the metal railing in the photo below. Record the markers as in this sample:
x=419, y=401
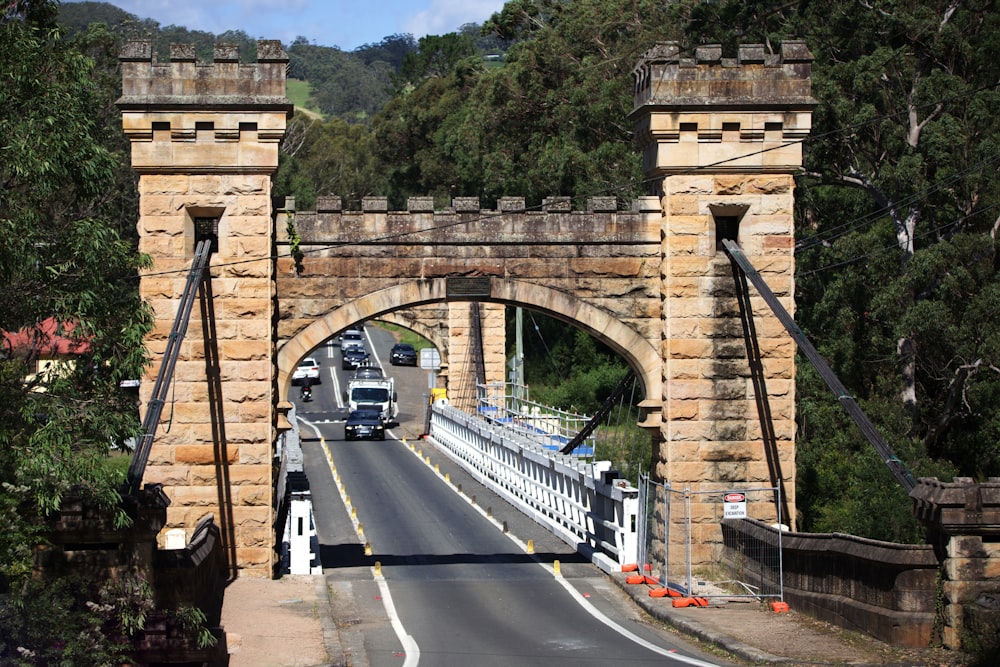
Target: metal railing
x=584, y=503
x=510, y=406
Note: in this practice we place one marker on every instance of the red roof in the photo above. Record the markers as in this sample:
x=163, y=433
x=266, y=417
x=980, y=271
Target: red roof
x=43, y=341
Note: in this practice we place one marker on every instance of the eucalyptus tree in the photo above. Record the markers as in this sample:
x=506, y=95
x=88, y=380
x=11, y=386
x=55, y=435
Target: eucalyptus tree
x=897, y=265
x=62, y=262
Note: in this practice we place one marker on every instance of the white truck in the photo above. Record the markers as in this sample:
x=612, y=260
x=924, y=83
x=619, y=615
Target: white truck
x=376, y=392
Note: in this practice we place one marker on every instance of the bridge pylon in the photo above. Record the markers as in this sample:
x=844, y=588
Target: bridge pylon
x=721, y=139
x=204, y=140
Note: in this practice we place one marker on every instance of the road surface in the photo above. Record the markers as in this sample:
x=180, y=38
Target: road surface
x=455, y=589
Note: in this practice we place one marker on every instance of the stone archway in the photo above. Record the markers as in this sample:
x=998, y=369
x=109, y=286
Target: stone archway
x=639, y=353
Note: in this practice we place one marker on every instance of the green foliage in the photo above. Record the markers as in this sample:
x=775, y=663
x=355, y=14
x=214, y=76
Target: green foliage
x=324, y=158
x=550, y=121
x=192, y=622
x=344, y=85
x=435, y=56
x=60, y=262
x=73, y=620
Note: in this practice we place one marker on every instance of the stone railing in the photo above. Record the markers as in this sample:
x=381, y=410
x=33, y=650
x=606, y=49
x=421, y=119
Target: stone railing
x=963, y=524
x=883, y=589
x=84, y=539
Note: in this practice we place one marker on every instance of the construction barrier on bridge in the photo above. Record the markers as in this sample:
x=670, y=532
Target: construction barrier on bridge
x=670, y=520
x=584, y=503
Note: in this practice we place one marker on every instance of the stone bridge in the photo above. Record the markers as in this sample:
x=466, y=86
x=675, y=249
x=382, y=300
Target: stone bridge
x=720, y=139
x=597, y=270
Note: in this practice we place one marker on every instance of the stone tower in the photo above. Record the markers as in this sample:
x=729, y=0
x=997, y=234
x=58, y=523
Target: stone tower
x=205, y=142
x=721, y=142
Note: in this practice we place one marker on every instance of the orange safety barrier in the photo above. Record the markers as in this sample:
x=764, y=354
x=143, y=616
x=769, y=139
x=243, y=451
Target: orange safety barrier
x=779, y=607
x=630, y=568
x=690, y=602
x=635, y=579
x=665, y=593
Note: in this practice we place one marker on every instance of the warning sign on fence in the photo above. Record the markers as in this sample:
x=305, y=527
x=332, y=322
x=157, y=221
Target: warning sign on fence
x=734, y=505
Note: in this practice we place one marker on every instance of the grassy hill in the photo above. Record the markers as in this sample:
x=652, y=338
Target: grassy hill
x=300, y=94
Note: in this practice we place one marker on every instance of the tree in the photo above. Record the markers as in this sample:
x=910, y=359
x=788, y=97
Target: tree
x=324, y=158
x=897, y=265
x=61, y=261
x=552, y=120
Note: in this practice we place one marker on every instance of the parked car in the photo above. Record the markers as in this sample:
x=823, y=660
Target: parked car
x=364, y=424
x=307, y=368
x=353, y=357
x=369, y=372
x=403, y=354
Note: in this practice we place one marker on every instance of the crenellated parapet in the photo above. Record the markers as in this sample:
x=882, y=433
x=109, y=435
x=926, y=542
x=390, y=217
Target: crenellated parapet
x=421, y=223
x=219, y=117
x=425, y=204
x=223, y=82
x=742, y=114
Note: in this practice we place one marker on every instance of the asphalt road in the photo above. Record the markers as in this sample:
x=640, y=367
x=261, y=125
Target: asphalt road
x=454, y=588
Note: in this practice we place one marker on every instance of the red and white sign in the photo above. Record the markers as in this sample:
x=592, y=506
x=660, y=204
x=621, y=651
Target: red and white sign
x=734, y=505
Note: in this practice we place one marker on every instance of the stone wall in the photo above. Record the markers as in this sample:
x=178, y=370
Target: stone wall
x=963, y=524
x=886, y=590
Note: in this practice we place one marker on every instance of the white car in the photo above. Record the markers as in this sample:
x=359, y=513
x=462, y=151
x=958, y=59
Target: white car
x=307, y=368
x=352, y=339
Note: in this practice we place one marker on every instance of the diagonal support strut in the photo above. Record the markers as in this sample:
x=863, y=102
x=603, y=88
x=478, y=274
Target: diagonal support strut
x=896, y=467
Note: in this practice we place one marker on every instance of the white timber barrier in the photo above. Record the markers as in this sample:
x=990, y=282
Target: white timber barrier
x=584, y=503
x=299, y=541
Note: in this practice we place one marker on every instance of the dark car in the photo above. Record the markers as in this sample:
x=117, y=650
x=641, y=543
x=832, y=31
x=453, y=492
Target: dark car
x=364, y=424
x=353, y=357
x=403, y=354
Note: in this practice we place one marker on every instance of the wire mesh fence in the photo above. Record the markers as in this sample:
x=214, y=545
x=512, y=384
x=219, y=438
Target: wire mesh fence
x=676, y=524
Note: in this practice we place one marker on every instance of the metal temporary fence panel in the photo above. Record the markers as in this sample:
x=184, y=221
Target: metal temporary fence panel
x=664, y=540
x=667, y=536
x=754, y=569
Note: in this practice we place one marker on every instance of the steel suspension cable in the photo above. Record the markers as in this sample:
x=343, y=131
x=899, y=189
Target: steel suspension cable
x=898, y=469
x=154, y=408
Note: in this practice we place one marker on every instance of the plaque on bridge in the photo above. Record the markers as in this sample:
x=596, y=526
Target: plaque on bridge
x=465, y=287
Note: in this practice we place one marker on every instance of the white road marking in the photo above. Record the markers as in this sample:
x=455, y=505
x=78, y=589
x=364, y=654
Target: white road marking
x=575, y=594
x=410, y=646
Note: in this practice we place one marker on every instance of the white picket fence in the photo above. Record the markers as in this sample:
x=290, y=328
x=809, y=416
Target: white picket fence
x=585, y=504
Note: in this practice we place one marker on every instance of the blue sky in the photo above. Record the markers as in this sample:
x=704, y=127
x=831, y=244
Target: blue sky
x=343, y=23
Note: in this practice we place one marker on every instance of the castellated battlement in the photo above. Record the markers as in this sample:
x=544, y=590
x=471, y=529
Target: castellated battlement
x=223, y=82
x=511, y=222
x=186, y=116
x=753, y=79
x=471, y=205
x=747, y=114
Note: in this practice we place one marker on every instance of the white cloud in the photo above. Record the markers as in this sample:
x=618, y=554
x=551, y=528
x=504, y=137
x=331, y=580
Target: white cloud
x=444, y=16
